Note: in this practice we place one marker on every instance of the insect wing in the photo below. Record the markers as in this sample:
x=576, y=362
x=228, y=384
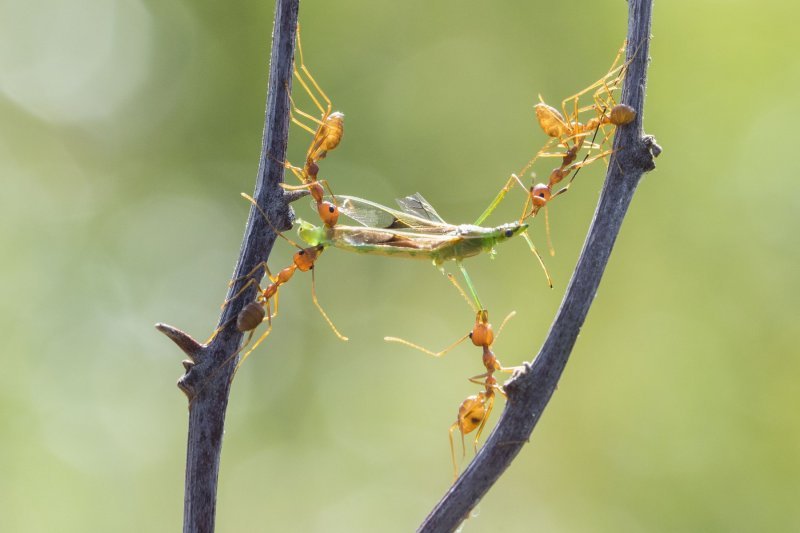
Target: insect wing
x=375, y=215
x=365, y=212
x=419, y=207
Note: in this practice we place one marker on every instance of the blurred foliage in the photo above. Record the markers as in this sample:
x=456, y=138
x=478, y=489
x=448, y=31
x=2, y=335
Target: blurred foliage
x=130, y=127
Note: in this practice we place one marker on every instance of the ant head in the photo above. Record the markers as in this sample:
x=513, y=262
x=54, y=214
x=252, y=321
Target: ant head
x=540, y=194
x=328, y=212
x=482, y=333
x=305, y=258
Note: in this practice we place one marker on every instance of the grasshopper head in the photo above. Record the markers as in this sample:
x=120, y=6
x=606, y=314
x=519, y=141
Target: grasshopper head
x=507, y=231
x=311, y=234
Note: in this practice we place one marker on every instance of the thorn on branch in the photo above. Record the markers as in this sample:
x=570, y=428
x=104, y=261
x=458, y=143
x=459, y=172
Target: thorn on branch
x=190, y=347
x=185, y=342
x=293, y=196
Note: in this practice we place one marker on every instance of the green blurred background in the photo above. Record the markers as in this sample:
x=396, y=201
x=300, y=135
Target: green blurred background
x=128, y=129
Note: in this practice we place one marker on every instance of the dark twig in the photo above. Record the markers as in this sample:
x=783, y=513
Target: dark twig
x=210, y=367
x=530, y=390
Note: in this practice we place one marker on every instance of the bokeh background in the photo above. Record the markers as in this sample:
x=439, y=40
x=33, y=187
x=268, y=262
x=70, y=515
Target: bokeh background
x=127, y=130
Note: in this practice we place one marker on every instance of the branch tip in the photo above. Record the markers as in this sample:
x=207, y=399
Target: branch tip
x=185, y=342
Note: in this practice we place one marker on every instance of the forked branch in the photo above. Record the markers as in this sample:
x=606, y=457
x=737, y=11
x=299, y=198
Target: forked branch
x=531, y=390
x=209, y=367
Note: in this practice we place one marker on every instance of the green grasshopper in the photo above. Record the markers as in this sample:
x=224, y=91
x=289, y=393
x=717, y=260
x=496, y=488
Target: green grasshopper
x=416, y=232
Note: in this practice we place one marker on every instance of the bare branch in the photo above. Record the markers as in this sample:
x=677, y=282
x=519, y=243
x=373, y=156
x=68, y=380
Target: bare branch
x=531, y=390
x=209, y=368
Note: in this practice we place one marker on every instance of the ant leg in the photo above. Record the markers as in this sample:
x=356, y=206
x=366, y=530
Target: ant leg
x=550, y=248
x=303, y=114
x=321, y=310
x=453, y=449
x=325, y=111
x=525, y=214
x=425, y=350
x=490, y=404
x=330, y=191
x=273, y=315
x=557, y=154
x=515, y=179
x=536, y=253
x=577, y=166
x=259, y=341
x=220, y=328
x=244, y=345
x=294, y=109
x=278, y=232
x=602, y=82
x=259, y=266
x=604, y=96
x=299, y=173
x=615, y=70
x=247, y=285
x=301, y=187
x=233, y=355
x=229, y=300
x=479, y=379
x=571, y=118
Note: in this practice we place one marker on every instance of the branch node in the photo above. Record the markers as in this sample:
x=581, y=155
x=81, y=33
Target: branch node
x=188, y=390
x=195, y=374
x=652, y=145
x=517, y=380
